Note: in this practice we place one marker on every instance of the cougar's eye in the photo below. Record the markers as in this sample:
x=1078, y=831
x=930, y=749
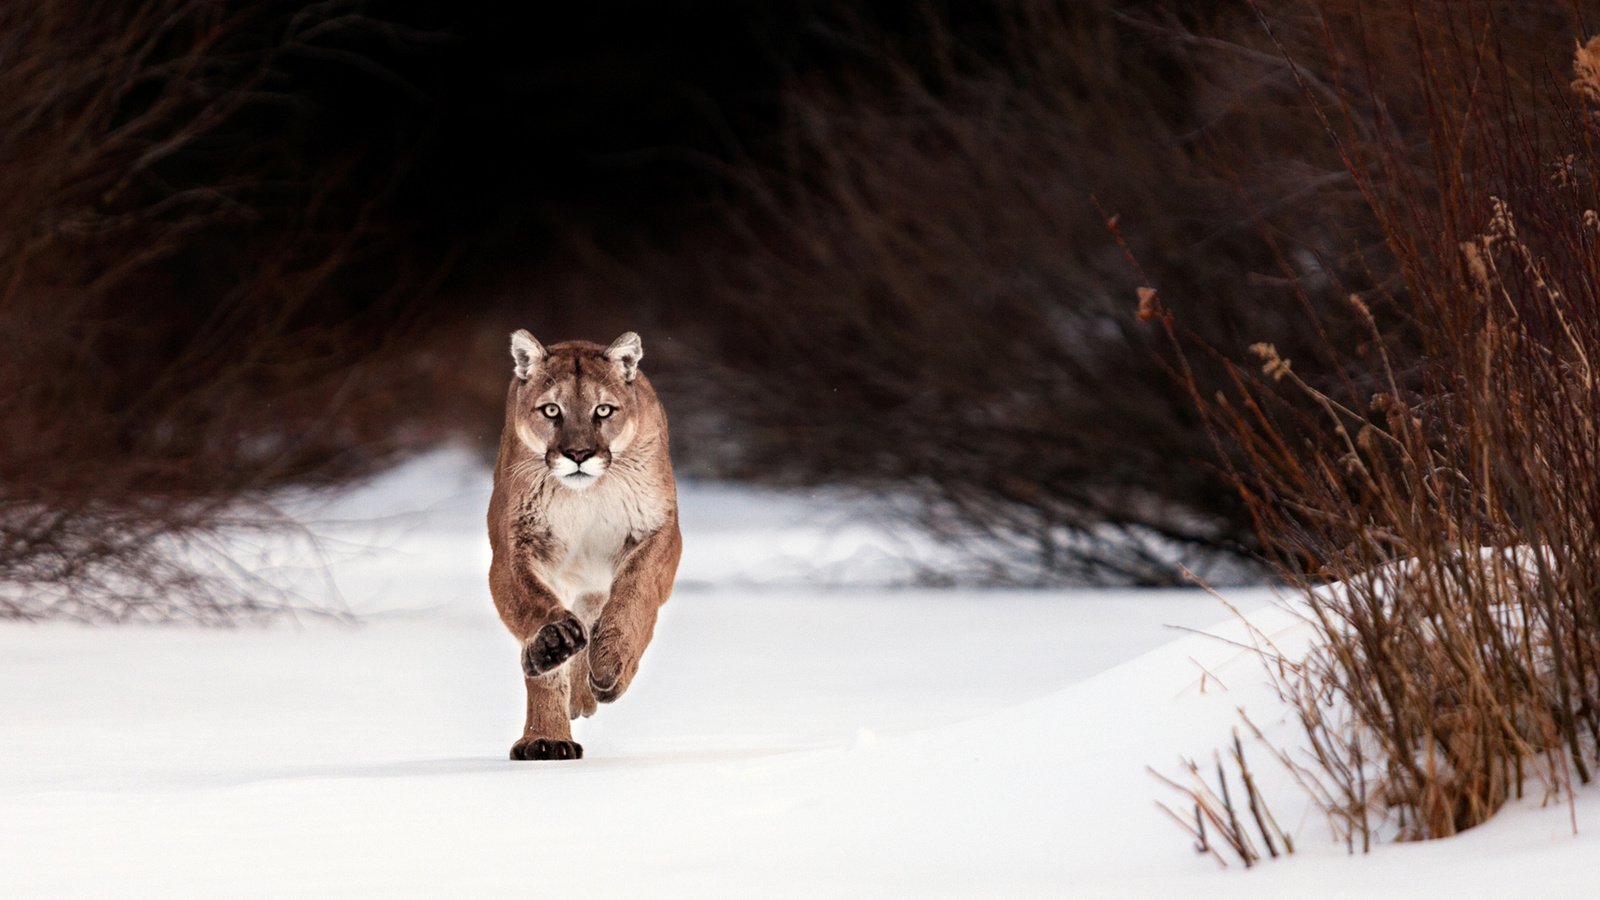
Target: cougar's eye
x=550, y=410
x=604, y=410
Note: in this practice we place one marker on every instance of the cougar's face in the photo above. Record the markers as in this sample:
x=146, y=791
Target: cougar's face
x=573, y=409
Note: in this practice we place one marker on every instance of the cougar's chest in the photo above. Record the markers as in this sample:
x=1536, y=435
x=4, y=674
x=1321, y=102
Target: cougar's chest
x=590, y=534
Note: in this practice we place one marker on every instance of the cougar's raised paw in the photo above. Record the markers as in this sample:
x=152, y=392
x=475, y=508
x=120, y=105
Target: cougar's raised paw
x=546, y=748
x=606, y=693
x=553, y=645
x=608, y=678
x=608, y=670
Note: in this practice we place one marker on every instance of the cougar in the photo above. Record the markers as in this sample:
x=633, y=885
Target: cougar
x=583, y=523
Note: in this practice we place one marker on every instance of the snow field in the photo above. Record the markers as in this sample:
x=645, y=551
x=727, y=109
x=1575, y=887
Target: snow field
x=780, y=740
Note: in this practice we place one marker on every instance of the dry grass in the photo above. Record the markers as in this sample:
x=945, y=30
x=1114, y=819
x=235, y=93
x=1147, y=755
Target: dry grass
x=1213, y=817
x=1439, y=509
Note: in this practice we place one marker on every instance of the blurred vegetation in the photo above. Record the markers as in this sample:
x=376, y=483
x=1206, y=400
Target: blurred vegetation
x=245, y=245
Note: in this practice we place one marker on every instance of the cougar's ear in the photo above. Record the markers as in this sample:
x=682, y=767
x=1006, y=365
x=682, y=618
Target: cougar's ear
x=626, y=351
x=525, y=353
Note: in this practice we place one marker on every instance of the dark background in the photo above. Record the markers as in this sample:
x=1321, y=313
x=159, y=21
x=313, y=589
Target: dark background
x=245, y=245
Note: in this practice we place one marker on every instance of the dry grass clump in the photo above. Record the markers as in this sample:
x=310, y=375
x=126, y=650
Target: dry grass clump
x=1214, y=818
x=1439, y=511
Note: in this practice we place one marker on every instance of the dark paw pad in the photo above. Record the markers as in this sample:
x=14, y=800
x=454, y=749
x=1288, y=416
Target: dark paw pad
x=546, y=748
x=553, y=645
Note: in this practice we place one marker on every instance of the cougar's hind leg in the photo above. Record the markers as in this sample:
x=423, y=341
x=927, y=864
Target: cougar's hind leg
x=548, y=732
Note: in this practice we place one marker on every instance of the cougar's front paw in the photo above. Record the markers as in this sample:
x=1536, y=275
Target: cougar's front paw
x=553, y=645
x=546, y=748
x=606, y=693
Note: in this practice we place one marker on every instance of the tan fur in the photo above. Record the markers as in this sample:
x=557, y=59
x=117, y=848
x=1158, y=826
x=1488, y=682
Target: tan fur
x=597, y=552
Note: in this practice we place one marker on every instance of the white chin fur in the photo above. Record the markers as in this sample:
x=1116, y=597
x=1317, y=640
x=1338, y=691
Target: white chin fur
x=577, y=481
x=575, y=476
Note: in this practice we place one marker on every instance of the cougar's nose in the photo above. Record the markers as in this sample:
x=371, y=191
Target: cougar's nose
x=577, y=456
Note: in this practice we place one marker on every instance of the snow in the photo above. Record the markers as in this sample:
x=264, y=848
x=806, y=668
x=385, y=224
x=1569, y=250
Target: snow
x=781, y=739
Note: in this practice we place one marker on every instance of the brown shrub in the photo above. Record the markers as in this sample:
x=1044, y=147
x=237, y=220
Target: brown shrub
x=175, y=283
x=925, y=297
x=1438, y=510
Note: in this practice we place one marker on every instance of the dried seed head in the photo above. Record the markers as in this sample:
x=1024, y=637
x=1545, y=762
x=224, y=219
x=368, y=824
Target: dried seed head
x=1501, y=223
x=1366, y=438
x=1350, y=463
x=1272, y=365
x=1149, y=304
x=1473, y=254
x=1564, y=171
x=1586, y=69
